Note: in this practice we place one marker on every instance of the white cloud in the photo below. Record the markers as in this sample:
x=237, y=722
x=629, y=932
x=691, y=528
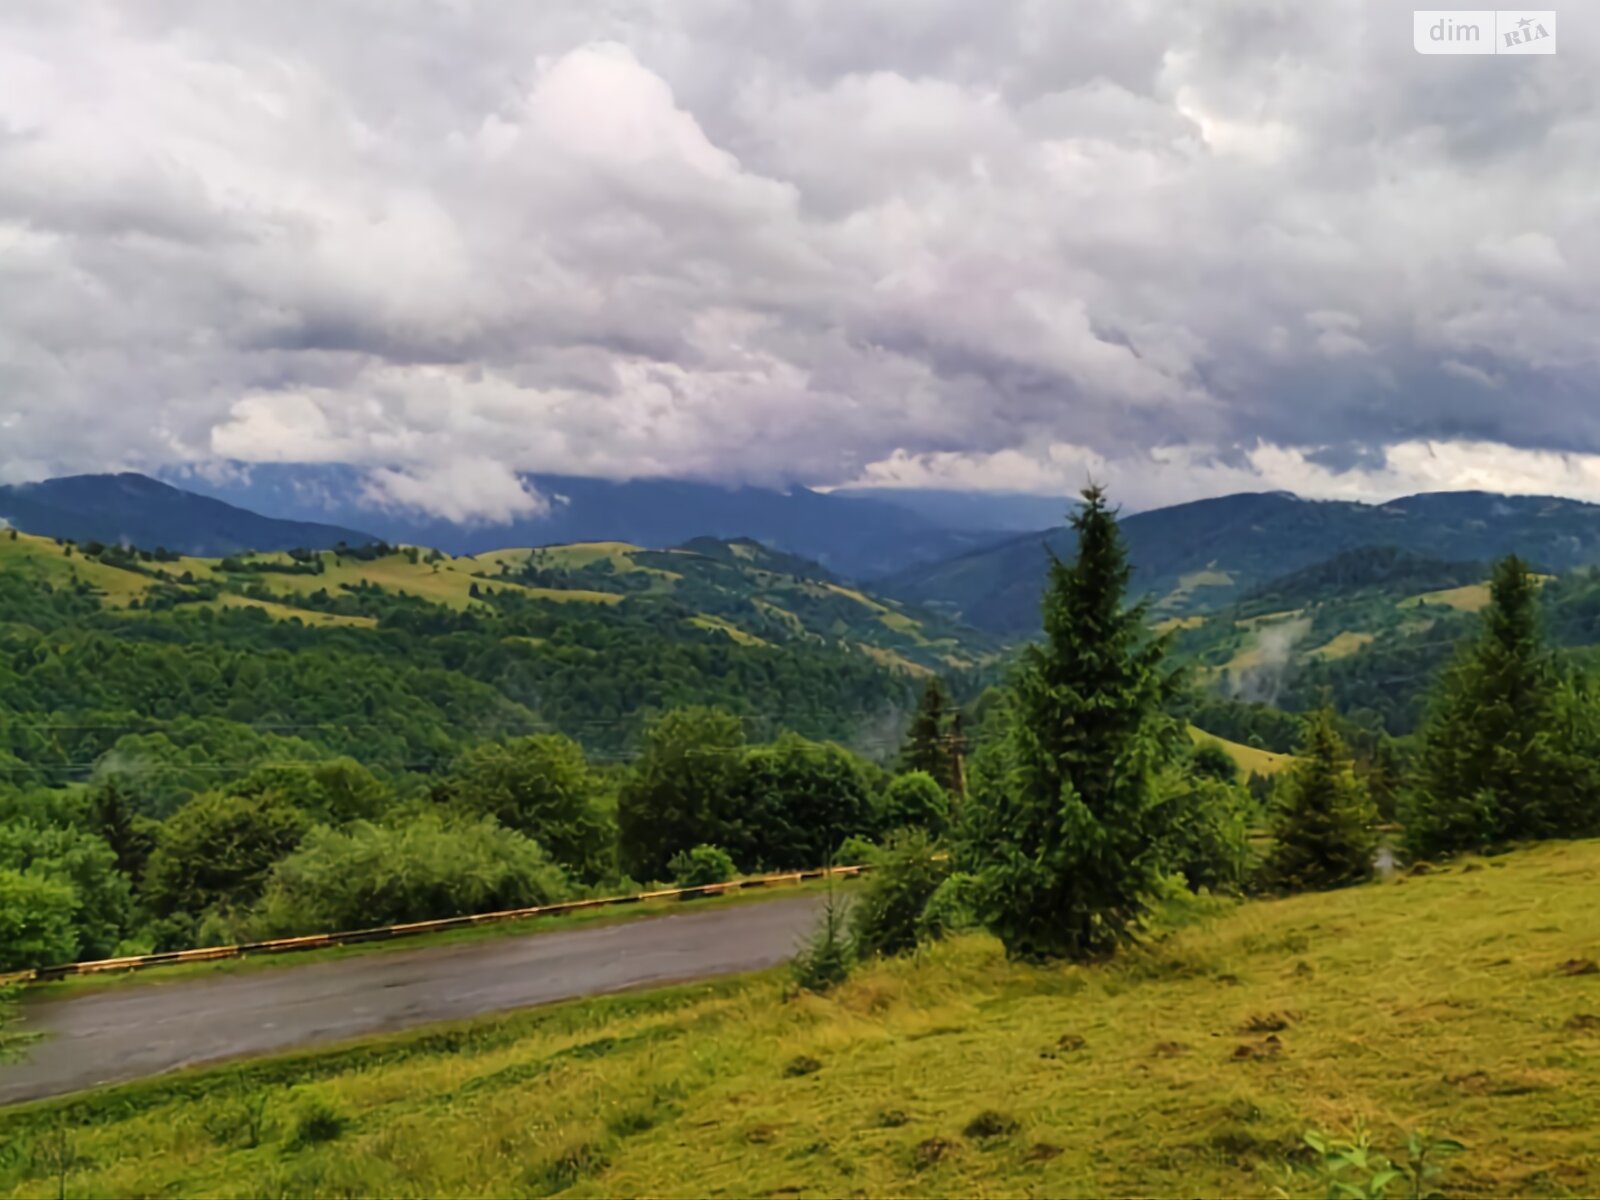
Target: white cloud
x=1173, y=475
x=463, y=490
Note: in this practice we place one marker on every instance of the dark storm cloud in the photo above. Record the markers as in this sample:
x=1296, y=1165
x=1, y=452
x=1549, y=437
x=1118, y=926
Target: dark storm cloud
x=1192, y=247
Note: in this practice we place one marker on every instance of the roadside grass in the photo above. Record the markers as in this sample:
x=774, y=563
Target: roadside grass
x=1455, y=1001
x=588, y=918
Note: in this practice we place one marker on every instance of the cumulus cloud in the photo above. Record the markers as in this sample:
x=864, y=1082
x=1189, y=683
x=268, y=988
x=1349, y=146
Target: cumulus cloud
x=462, y=490
x=1190, y=248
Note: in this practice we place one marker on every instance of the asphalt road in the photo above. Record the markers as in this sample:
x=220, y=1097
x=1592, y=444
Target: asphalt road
x=126, y=1033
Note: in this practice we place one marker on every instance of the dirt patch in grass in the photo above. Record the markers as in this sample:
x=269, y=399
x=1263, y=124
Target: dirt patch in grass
x=991, y=1124
x=1267, y=1047
x=931, y=1153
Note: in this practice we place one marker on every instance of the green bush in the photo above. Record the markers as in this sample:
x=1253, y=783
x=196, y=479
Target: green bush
x=857, y=851
x=915, y=799
x=218, y=849
x=953, y=907
x=701, y=866
x=885, y=917
x=47, y=846
x=541, y=786
x=1208, y=837
x=423, y=866
x=798, y=800
x=37, y=926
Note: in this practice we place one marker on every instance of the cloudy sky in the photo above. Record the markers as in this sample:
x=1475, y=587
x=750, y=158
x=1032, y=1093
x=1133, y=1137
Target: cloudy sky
x=1190, y=246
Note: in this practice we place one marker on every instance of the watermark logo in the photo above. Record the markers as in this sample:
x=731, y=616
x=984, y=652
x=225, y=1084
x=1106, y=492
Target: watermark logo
x=1484, y=31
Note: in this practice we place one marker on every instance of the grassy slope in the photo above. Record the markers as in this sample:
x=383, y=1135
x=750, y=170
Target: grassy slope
x=1249, y=760
x=1435, y=1002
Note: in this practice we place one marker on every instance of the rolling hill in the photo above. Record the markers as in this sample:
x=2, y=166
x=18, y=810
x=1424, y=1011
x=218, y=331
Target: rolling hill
x=735, y=590
x=140, y=511
x=1200, y=557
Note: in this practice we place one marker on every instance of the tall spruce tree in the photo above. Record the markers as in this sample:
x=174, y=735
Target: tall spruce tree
x=130, y=836
x=1066, y=838
x=1497, y=762
x=1323, y=827
x=927, y=746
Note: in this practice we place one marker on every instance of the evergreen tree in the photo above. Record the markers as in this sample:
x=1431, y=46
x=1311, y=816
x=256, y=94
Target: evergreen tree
x=1325, y=816
x=927, y=747
x=1066, y=836
x=130, y=836
x=1498, y=760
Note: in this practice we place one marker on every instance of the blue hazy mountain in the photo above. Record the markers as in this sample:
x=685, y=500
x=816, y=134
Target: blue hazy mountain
x=145, y=512
x=857, y=538
x=1016, y=512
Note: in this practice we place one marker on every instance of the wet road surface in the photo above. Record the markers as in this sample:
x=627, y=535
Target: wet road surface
x=125, y=1033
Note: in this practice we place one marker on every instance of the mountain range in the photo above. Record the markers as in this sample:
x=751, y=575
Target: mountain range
x=1188, y=558
x=855, y=536
x=1201, y=556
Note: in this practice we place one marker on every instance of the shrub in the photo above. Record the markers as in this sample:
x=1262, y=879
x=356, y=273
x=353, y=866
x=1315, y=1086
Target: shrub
x=886, y=914
x=541, y=786
x=1211, y=761
x=953, y=907
x=36, y=920
x=423, y=866
x=218, y=849
x=799, y=799
x=857, y=851
x=701, y=866
x=1208, y=838
x=915, y=799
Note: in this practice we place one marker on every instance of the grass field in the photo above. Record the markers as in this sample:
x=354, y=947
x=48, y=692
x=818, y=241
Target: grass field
x=41, y=557
x=1342, y=645
x=1249, y=760
x=1453, y=1002
x=1473, y=597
